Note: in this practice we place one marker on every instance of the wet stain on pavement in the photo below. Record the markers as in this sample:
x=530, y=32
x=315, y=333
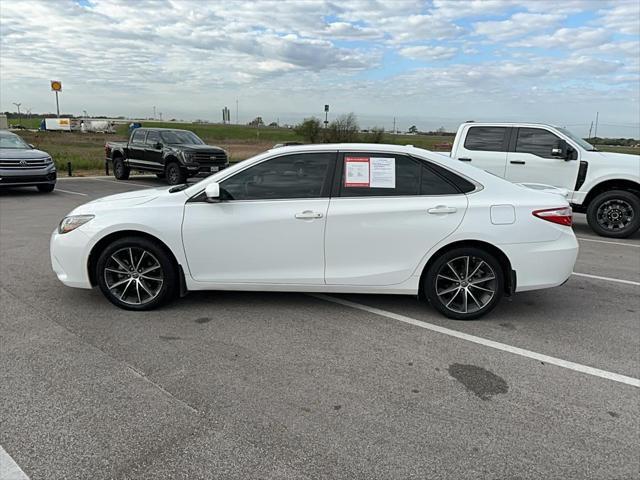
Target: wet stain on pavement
x=168, y=337
x=613, y=414
x=202, y=320
x=337, y=407
x=508, y=326
x=483, y=383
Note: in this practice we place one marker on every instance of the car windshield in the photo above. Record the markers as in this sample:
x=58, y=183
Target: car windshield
x=175, y=137
x=9, y=140
x=584, y=144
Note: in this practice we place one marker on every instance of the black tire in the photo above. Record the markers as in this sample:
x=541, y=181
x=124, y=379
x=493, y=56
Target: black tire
x=125, y=287
x=175, y=174
x=447, y=290
x=46, y=188
x=120, y=170
x=161, y=176
x=614, y=214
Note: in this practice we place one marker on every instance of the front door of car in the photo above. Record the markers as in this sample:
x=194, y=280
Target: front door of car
x=136, y=147
x=385, y=215
x=153, y=151
x=268, y=227
x=532, y=161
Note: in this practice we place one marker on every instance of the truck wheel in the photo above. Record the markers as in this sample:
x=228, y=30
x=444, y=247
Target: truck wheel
x=464, y=283
x=120, y=170
x=614, y=214
x=175, y=174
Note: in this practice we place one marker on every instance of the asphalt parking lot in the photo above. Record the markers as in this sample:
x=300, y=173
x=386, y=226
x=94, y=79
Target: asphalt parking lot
x=279, y=386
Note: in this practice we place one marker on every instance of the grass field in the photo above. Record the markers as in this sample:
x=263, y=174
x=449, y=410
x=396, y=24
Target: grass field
x=85, y=151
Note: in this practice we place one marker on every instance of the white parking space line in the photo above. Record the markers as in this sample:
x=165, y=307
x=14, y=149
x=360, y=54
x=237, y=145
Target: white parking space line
x=9, y=469
x=121, y=182
x=608, y=279
x=606, y=241
x=72, y=193
x=596, y=372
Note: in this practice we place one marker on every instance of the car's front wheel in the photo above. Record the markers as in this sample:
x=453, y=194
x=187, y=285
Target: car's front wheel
x=464, y=283
x=135, y=273
x=614, y=214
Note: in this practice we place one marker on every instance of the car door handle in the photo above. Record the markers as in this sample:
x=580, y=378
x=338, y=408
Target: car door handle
x=517, y=162
x=441, y=209
x=464, y=159
x=308, y=215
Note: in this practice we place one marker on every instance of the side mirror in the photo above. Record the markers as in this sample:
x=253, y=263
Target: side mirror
x=31, y=145
x=561, y=149
x=158, y=146
x=212, y=193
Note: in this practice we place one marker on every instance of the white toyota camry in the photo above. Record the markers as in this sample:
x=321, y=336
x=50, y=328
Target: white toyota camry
x=349, y=218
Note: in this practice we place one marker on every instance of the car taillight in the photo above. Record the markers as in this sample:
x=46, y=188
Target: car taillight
x=561, y=216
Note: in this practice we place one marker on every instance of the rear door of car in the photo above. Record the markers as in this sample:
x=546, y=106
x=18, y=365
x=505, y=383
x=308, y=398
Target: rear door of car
x=386, y=212
x=485, y=147
x=137, y=147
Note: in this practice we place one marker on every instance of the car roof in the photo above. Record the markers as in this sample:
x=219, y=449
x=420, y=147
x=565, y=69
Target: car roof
x=510, y=124
x=164, y=129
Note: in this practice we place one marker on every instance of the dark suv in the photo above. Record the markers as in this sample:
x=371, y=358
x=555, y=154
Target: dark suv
x=21, y=165
x=169, y=153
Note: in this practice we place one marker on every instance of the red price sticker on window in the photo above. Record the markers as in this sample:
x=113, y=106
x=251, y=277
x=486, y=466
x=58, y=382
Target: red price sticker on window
x=356, y=172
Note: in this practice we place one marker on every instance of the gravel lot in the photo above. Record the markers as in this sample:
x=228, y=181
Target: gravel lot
x=292, y=386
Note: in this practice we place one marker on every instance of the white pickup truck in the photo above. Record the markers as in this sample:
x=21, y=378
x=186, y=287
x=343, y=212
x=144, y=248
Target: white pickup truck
x=604, y=185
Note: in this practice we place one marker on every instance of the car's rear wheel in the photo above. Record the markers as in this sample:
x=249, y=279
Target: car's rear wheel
x=614, y=214
x=464, y=283
x=136, y=274
x=46, y=188
x=175, y=175
x=120, y=170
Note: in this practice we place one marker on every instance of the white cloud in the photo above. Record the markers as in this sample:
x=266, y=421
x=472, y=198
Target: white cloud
x=571, y=38
x=518, y=25
x=428, y=52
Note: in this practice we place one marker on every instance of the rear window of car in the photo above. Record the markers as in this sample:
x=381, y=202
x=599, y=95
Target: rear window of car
x=487, y=139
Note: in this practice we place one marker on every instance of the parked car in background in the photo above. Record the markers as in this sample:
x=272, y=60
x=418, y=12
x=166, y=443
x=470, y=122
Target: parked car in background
x=604, y=185
x=21, y=165
x=169, y=153
x=350, y=218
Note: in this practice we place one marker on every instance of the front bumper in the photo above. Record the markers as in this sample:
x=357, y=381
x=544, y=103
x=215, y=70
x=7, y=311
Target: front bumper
x=543, y=264
x=204, y=170
x=18, y=177
x=69, y=258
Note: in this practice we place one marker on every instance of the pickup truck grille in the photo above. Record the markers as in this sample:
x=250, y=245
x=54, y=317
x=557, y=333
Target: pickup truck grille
x=23, y=164
x=210, y=158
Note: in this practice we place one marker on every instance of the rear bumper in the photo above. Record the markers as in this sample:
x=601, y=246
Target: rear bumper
x=16, y=177
x=545, y=264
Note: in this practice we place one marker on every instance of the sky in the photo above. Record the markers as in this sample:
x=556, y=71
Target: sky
x=428, y=63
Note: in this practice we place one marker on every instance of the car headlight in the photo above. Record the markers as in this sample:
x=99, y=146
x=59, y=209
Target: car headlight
x=72, y=222
x=187, y=157
x=48, y=161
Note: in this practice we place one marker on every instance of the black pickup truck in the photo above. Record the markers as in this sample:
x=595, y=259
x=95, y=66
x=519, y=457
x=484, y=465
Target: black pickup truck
x=169, y=153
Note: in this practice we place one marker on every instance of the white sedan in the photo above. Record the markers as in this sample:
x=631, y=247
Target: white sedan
x=349, y=218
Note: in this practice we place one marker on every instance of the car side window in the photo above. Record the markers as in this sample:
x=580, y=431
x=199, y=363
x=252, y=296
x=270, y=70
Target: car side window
x=153, y=138
x=138, y=136
x=303, y=175
x=486, y=139
x=431, y=183
x=383, y=174
x=536, y=141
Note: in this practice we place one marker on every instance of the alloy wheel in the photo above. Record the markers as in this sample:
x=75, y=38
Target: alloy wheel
x=615, y=214
x=466, y=284
x=133, y=275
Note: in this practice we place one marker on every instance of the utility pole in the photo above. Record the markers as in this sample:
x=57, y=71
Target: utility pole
x=590, y=129
x=236, y=111
x=85, y=113
x=154, y=112
x=19, y=115
x=394, y=125
x=595, y=133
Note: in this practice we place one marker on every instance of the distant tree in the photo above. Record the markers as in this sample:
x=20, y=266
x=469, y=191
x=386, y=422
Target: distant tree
x=309, y=129
x=413, y=129
x=441, y=130
x=273, y=124
x=375, y=135
x=343, y=129
x=257, y=122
